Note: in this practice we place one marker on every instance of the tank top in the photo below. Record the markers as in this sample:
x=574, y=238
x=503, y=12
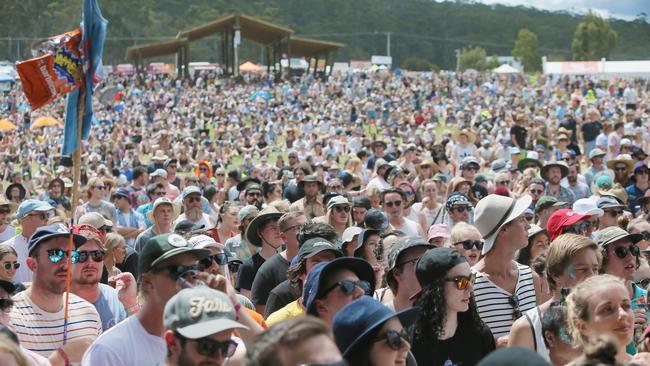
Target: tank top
x=534, y=318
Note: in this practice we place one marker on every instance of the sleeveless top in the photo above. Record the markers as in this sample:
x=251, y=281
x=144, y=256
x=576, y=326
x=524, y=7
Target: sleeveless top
x=534, y=318
x=496, y=305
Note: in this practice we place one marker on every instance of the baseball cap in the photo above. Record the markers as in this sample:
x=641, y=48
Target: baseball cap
x=470, y=161
x=403, y=245
x=561, y=219
x=190, y=190
x=545, y=202
x=95, y=219
x=122, y=192
x=159, y=173
x=8, y=286
x=314, y=282
x=31, y=205
x=435, y=264
x=247, y=211
x=314, y=246
x=608, y=202
x=438, y=230
x=586, y=206
x=185, y=226
x=337, y=200
x=498, y=165
x=45, y=233
x=165, y=246
x=612, y=234
x=349, y=233
x=199, y=312
x=204, y=242
x=169, y=162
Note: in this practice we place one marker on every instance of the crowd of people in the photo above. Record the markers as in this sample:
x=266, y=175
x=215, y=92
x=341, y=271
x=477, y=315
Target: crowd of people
x=364, y=219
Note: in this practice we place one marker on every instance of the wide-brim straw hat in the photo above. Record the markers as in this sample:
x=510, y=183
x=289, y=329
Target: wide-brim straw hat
x=434, y=167
x=12, y=205
x=493, y=212
x=622, y=159
x=471, y=135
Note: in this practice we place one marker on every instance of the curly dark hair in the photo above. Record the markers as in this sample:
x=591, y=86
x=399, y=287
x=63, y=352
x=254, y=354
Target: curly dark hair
x=430, y=323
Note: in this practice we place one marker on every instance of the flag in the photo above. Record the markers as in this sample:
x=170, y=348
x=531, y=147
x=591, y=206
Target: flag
x=94, y=33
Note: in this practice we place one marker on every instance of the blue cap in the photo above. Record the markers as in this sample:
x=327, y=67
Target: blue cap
x=45, y=233
x=358, y=319
x=122, y=192
x=32, y=205
x=315, y=279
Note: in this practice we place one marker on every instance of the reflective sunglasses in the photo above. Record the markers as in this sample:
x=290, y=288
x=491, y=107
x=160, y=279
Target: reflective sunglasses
x=469, y=244
x=462, y=281
x=56, y=255
x=643, y=283
x=577, y=229
x=6, y=304
x=513, y=300
x=96, y=255
x=395, y=339
x=220, y=258
x=348, y=287
x=209, y=347
x=8, y=265
x=177, y=271
x=621, y=252
x=340, y=208
x=393, y=203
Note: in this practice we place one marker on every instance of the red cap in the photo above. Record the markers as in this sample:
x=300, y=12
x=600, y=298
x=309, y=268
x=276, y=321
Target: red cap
x=561, y=219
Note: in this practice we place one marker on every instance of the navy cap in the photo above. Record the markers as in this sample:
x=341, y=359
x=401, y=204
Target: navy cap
x=316, y=278
x=122, y=192
x=358, y=319
x=376, y=219
x=48, y=232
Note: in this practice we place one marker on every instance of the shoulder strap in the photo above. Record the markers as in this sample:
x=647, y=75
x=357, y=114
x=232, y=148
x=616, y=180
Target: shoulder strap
x=532, y=330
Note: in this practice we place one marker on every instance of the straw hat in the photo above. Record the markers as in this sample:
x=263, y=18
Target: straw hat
x=161, y=201
x=434, y=167
x=12, y=205
x=493, y=212
x=622, y=159
x=159, y=156
x=471, y=136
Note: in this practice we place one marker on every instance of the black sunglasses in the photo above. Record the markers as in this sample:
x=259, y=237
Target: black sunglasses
x=220, y=258
x=460, y=209
x=614, y=213
x=577, y=229
x=633, y=249
x=348, y=287
x=513, y=300
x=469, y=244
x=4, y=210
x=462, y=281
x=209, y=347
x=536, y=191
x=193, y=199
x=8, y=265
x=340, y=209
x=96, y=255
x=395, y=339
x=393, y=203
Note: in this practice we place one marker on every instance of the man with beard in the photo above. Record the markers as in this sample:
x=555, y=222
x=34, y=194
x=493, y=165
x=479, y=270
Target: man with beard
x=192, y=209
x=311, y=204
x=39, y=311
x=113, y=307
x=553, y=173
x=579, y=189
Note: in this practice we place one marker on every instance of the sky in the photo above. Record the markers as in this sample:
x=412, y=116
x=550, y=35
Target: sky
x=623, y=9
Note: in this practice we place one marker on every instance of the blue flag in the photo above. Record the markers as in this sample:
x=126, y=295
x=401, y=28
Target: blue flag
x=94, y=33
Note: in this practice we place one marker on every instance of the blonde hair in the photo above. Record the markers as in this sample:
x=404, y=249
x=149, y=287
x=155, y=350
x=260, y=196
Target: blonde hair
x=352, y=164
x=578, y=303
x=459, y=229
x=560, y=252
x=10, y=347
x=113, y=240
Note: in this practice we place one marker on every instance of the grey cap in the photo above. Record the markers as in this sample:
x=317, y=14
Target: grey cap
x=199, y=312
x=596, y=152
x=337, y=200
x=159, y=173
x=401, y=246
x=248, y=210
x=611, y=234
x=608, y=202
x=190, y=190
x=499, y=165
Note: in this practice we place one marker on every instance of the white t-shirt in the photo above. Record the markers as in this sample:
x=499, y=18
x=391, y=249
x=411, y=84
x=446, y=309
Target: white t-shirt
x=9, y=233
x=410, y=228
x=206, y=221
x=126, y=344
x=19, y=243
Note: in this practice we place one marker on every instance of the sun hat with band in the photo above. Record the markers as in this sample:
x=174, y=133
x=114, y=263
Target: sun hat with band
x=12, y=206
x=493, y=212
x=268, y=213
x=435, y=264
x=199, y=312
x=564, y=169
x=359, y=319
x=613, y=234
x=561, y=219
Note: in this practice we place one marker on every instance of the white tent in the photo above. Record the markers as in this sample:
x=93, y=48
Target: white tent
x=506, y=69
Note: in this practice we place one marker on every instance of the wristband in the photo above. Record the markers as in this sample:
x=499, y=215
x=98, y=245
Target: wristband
x=132, y=309
x=237, y=308
x=64, y=356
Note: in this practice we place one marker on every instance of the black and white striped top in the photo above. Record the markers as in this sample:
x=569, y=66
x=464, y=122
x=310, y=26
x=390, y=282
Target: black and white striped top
x=494, y=304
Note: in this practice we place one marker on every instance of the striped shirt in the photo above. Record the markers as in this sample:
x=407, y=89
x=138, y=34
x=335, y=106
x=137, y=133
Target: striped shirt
x=42, y=332
x=495, y=304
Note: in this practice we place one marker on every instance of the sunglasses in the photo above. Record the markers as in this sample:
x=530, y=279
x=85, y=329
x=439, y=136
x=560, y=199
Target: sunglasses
x=536, y=191
x=177, y=271
x=210, y=348
x=203, y=169
x=614, y=213
x=96, y=255
x=220, y=258
x=4, y=211
x=513, y=300
x=460, y=209
x=56, y=255
x=220, y=175
x=193, y=199
x=393, y=203
x=395, y=340
x=348, y=287
x=6, y=304
x=42, y=215
x=469, y=244
x=160, y=194
x=340, y=209
x=8, y=265
x=577, y=229
x=462, y=281
x=101, y=188
x=504, y=182
x=633, y=249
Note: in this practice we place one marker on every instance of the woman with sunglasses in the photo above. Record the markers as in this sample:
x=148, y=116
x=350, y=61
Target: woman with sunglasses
x=8, y=265
x=570, y=260
x=621, y=258
x=448, y=319
x=466, y=239
x=370, y=334
x=338, y=214
x=538, y=243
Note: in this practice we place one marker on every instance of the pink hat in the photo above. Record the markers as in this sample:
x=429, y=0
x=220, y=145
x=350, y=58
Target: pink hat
x=438, y=230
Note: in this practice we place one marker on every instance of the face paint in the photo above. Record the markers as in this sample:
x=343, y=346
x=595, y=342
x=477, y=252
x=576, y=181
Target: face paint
x=572, y=275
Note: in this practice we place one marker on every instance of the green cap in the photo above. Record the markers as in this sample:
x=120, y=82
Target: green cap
x=545, y=202
x=199, y=312
x=612, y=234
x=165, y=246
x=314, y=246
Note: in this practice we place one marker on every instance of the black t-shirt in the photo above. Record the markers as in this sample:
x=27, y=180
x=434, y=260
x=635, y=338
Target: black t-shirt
x=571, y=125
x=520, y=135
x=130, y=264
x=466, y=348
x=247, y=271
x=591, y=130
x=270, y=274
x=279, y=297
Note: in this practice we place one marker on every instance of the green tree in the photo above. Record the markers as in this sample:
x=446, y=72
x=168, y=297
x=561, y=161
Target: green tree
x=472, y=58
x=593, y=38
x=527, y=50
x=417, y=64
x=492, y=63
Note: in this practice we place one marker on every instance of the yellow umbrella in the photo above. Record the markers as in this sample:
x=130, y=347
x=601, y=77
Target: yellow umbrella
x=6, y=125
x=47, y=122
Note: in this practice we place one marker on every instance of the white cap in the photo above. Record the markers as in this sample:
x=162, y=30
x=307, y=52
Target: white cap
x=586, y=206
